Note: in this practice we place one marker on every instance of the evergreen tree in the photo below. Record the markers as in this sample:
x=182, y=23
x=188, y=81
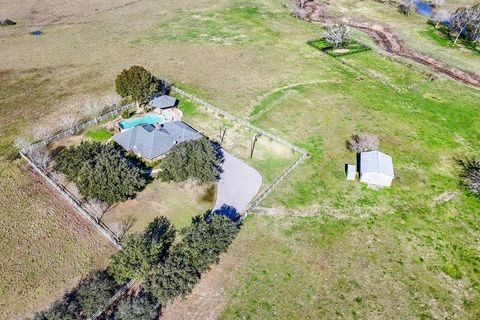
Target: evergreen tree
x=136, y=83
x=198, y=160
x=142, y=251
x=139, y=307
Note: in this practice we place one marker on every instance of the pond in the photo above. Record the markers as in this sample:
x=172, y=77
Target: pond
x=424, y=9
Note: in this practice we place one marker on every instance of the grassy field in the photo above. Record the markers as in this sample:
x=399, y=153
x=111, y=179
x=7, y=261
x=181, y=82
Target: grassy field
x=322, y=246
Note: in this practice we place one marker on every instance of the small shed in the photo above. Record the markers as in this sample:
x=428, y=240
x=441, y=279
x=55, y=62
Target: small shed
x=350, y=171
x=163, y=102
x=376, y=168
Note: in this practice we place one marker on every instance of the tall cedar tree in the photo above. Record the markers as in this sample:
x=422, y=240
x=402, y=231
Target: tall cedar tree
x=202, y=243
x=139, y=307
x=100, y=172
x=142, y=251
x=198, y=160
x=136, y=83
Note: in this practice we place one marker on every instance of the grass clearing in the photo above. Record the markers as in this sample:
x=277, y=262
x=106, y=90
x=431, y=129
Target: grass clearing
x=99, y=135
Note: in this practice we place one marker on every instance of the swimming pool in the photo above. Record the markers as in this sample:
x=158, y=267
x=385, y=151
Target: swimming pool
x=152, y=119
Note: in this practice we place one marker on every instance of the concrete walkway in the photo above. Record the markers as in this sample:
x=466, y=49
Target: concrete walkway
x=238, y=185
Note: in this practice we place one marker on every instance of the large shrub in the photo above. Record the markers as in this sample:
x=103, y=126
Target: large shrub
x=100, y=172
x=142, y=251
x=198, y=160
x=337, y=34
x=363, y=142
x=470, y=174
x=136, y=83
x=202, y=243
x=139, y=307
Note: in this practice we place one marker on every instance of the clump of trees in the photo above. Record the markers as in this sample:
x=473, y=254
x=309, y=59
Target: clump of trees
x=203, y=241
x=337, y=34
x=139, y=84
x=363, y=142
x=198, y=160
x=142, y=251
x=100, y=172
x=470, y=174
x=90, y=294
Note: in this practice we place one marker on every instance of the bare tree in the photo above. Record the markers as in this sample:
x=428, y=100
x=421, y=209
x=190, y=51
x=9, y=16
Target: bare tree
x=99, y=207
x=363, y=142
x=91, y=107
x=466, y=18
x=298, y=10
x=42, y=131
x=441, y=16
x=122, y=227
x=41, y=157
x=407, y=6
x=470, y=173
x=67, y=121
x=21, y=143
x=337, y=34
x=438, y=3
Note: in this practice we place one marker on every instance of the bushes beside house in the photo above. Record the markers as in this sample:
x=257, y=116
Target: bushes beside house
x=100, y=172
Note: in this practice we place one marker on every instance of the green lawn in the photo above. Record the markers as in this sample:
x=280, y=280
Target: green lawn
x=100, y=135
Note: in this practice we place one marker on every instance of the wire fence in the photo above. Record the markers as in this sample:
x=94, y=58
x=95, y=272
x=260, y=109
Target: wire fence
x=117, y=109
x=103, y=228
x=77, y=204
x=247, y=124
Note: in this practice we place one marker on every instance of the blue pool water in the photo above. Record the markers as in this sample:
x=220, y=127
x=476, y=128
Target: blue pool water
x=36, y=33
x=424, y=9
x=152, y=119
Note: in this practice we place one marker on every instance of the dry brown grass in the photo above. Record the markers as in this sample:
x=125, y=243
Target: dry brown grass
x=46, y=247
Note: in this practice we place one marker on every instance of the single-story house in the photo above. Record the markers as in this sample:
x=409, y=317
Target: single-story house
x=376, y=168
x=163, y=102
x=151, y=143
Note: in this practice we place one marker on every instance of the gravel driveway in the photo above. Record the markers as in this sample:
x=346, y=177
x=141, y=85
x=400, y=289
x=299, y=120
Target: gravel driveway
x=238, y=184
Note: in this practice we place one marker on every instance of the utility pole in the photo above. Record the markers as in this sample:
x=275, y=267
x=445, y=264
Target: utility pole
x=252, y=148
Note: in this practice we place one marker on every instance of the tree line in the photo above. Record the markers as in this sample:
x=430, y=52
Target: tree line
x=169, y=270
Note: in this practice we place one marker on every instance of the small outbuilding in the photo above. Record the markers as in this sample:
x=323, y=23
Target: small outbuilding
x=350, y=171
x=163, y=102
x=376, y=168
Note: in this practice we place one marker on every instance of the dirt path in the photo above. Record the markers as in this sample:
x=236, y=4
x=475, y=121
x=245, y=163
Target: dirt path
x=389, y=41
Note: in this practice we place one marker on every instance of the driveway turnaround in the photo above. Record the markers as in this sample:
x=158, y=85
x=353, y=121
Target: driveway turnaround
x=238, y=184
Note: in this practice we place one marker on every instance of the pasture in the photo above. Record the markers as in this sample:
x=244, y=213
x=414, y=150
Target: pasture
x=321, y=246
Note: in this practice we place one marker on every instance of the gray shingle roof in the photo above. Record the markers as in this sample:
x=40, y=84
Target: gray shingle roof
x=150, y=143
x=163, y=102
x=376, y=161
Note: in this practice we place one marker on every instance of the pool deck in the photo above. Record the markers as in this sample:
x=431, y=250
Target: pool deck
x=175, y=113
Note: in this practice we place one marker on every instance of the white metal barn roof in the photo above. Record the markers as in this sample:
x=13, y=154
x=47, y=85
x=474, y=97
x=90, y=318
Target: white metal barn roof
x=376, y=168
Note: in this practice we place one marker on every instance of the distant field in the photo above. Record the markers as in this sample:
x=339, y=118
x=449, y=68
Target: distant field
x=321, y=246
